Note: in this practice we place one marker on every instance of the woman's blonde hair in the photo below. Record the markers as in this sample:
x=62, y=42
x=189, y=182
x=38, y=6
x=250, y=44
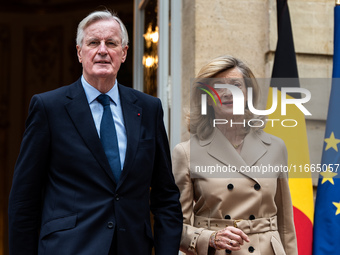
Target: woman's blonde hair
x=202, y=125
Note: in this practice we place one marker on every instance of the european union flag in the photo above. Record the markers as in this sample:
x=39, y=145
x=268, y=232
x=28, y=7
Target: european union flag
x=327, y=206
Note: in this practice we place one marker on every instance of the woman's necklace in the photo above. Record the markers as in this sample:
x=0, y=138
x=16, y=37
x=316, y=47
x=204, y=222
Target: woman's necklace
x=236, y=146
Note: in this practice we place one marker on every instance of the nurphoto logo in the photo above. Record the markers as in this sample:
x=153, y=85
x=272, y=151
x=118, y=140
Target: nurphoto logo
x=239, y=103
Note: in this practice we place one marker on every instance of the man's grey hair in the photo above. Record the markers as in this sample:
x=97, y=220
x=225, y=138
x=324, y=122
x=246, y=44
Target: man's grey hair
x=100, y=15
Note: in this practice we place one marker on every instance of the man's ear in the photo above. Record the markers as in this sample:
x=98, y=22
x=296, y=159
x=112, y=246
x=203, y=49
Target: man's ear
x=124, y=53
x=79, y=53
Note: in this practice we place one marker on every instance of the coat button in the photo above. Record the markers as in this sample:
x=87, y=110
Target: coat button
x=230, y=186
x=116, y=197
x=228, y=251
x=251, y=249
x=252, y=217
x=227, y=217
x=257, y=186
x=110, y=224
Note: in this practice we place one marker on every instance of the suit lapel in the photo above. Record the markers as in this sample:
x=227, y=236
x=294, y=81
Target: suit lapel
x=80, y=113
x=132, y=115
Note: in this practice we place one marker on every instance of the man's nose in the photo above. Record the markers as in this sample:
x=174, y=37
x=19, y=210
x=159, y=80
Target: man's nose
x=102, y=49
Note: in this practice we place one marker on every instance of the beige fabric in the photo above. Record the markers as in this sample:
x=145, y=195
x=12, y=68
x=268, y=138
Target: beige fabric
x=251, y=195
x=247, y=226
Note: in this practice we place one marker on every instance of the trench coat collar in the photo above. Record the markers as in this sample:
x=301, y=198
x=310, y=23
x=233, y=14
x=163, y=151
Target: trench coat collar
x=254, y=147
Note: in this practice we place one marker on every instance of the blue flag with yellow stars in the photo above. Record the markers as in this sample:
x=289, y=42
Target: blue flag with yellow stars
x=327, y=205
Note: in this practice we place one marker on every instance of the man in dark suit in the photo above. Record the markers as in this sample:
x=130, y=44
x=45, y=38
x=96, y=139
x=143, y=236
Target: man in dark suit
x=74, y=194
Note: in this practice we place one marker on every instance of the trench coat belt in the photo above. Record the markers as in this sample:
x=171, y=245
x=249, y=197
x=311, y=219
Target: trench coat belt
x=258, y=225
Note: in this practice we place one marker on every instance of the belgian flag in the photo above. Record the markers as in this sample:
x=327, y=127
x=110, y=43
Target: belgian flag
x=285, y=74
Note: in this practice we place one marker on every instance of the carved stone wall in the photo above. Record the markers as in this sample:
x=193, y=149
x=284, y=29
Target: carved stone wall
x=247, y=29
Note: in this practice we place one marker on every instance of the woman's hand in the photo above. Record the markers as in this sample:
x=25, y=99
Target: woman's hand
x=230, y=238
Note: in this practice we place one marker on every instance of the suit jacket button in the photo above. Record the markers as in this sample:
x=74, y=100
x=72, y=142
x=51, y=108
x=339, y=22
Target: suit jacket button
x=227, y=217
x=257, y=186
x=251, y=249
x=228, y=251
x=116, y=197
x=230, y=186
x=252, y=217
x=110, y=224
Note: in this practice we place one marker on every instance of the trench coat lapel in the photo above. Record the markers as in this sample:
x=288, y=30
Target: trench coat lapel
x=81, y=116
x=254, y=147
x=221, y=149
x=132, y=122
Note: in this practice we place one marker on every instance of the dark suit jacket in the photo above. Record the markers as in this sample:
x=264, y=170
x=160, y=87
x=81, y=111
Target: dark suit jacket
x=64, y=199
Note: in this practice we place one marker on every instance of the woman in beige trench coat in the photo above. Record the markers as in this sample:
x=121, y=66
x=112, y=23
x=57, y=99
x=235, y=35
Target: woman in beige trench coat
x=230, y=204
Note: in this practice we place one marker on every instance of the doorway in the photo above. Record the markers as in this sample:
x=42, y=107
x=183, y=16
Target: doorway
x=37, y=54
